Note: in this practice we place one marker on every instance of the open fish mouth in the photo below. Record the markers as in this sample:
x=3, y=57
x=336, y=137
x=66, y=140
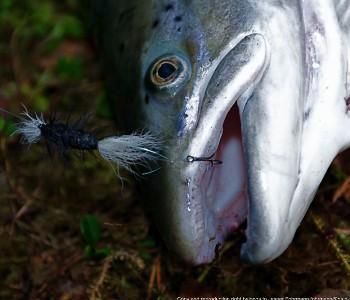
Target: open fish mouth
x=214, y=173
x=258, y=140
x=225, y=183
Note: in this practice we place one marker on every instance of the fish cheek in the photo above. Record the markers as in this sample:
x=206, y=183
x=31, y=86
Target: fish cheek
x=162, y=112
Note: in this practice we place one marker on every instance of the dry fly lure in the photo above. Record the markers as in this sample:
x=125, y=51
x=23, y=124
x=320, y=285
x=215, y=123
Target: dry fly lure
x=127, y=151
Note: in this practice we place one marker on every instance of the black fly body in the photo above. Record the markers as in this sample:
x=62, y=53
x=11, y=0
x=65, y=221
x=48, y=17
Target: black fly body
x=127, y=151
x=66, y=137
x=57, y=135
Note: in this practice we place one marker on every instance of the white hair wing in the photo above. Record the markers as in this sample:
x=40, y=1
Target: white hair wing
x=29, y=128
x=130, y=150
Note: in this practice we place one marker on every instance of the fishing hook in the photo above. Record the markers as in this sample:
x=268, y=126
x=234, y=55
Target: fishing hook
x=213, y=162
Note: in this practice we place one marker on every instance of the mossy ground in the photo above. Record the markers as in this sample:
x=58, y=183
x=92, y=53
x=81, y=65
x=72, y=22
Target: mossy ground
x=48, y=63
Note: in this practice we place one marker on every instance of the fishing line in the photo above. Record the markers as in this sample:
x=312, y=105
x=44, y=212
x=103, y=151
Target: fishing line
x=128, y=151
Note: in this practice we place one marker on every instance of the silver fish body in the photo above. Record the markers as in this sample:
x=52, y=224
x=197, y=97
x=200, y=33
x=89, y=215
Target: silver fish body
x=258, y=85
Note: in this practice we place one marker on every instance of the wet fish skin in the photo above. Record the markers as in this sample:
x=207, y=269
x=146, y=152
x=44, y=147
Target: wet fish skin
x=277, y=88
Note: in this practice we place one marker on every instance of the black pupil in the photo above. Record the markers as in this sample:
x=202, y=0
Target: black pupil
x=166, y=70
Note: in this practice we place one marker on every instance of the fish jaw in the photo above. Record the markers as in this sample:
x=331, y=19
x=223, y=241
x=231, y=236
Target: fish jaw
x=272, y=121
x=271, y=128
x=322, y=138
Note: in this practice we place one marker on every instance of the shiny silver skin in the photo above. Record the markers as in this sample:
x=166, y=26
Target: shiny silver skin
x=284, y=63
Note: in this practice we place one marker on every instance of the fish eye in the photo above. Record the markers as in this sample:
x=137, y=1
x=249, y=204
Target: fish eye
x=168, y=73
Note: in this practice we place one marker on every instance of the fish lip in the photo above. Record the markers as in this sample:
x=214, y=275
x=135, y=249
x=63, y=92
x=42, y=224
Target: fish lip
x=199, y=217
x=194, y=238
